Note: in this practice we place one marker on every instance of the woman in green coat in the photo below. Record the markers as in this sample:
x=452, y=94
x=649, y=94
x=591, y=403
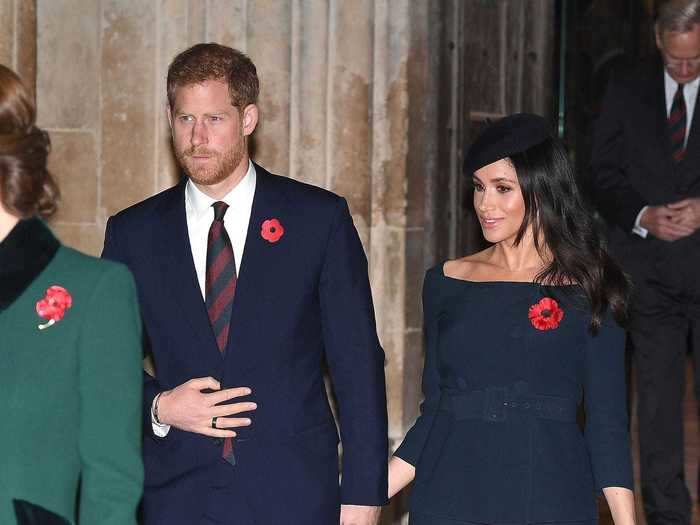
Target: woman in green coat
x=70, y=352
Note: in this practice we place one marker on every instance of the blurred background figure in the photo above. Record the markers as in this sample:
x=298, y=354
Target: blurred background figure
x=646, y=184
x=70, y=351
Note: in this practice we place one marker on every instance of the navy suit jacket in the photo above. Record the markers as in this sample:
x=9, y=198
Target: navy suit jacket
x=299, y=302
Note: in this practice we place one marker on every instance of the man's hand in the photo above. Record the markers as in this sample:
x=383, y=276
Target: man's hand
x=359, y=515
x=186, y=407
x=687, y=212
x=665, y=222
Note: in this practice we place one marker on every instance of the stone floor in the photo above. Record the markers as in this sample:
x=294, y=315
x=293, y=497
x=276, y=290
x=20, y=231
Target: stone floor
x=692, y=450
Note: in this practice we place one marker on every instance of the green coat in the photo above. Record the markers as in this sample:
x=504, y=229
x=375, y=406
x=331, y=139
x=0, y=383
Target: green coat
x=70, y=394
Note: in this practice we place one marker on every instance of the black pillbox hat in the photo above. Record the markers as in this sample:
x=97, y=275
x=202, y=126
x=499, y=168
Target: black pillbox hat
x=505, y=137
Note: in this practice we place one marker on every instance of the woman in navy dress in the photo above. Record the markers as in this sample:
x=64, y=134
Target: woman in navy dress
x=518, y=336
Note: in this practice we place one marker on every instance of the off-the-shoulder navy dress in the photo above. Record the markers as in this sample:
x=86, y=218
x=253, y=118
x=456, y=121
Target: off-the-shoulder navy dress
x=497, y=440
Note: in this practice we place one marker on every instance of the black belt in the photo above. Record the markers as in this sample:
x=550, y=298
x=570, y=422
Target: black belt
x=493, y=404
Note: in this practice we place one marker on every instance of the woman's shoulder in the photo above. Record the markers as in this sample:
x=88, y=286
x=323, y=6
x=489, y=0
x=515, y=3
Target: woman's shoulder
x=480, y=267
x=465, y=267
x=447, y=276
x=89, y=270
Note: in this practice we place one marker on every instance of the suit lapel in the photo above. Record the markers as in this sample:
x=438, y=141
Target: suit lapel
x=693, y=145
x=179, y=274
x=658, y=102
x=259, y=260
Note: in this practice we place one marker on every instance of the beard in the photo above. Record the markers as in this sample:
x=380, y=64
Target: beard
x=226, y=163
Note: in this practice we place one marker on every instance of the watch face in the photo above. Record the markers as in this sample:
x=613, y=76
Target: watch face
x=31, y=514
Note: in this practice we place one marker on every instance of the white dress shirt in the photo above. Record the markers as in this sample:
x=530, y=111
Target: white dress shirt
x=200, y=215
x=690, y=94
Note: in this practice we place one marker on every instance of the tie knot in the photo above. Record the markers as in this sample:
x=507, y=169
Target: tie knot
x=680, y=89
x=219, y=210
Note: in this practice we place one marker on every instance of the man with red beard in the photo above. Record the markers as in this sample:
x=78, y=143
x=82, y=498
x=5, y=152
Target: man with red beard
x=248, y=282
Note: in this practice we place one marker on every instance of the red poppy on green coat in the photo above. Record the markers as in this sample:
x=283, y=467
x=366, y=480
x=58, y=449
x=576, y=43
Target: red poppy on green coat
x=54, y=305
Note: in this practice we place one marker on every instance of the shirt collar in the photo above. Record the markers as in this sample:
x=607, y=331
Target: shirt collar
x=198, y=204
x=672, y=85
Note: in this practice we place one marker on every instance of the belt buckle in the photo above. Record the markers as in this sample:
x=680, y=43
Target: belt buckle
x=494, y=404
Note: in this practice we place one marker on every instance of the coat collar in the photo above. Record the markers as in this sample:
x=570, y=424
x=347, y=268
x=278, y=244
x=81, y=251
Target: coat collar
x=24, y=254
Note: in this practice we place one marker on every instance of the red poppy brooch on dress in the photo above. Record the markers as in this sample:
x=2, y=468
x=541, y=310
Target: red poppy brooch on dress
x=546, y=314
x=53, y=306
x=272, y=230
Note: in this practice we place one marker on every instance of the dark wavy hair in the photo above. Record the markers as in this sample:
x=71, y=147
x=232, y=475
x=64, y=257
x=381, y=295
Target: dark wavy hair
x=26, y=186
x=563, y=224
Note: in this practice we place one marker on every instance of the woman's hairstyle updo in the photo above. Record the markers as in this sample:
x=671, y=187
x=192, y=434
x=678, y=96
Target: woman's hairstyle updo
x=563, y=223
x=26, y=186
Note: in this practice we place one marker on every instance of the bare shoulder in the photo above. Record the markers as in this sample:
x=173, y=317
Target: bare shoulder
x=467, y=267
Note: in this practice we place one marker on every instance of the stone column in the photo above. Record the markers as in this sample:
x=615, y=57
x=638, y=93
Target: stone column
x=18, y=38
x=69, y=89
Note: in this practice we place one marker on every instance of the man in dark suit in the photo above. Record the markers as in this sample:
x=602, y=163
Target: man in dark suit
x=646, y=162
x=248, y=282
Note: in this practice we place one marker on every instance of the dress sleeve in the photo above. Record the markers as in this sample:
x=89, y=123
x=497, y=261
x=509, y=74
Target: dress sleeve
x=412, y=446
x=110, y=402
x=605, y=394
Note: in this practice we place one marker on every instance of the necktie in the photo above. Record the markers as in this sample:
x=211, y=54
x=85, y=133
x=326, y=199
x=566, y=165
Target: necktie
x=220, y=289
x=677, y=125
x=221, y=277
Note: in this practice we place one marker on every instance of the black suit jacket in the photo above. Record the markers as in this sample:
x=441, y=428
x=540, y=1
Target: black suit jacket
x=632, y=167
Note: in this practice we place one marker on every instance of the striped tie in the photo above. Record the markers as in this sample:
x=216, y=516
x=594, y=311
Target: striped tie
x=677, y=125
x=220, y=289
x=221, y=277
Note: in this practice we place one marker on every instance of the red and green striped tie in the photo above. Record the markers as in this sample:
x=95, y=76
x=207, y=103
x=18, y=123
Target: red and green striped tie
x=220, y=289
x=677, y=125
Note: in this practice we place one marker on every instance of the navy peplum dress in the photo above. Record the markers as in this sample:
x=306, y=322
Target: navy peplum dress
x=497, y=440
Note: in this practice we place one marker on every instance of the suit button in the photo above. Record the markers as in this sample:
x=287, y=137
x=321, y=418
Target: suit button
x=218, y=441
x=527, y=405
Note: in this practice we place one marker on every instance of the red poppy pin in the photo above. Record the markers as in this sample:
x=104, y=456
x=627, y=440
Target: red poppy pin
x=272, y=230
x=546, y=314
x=53, y=306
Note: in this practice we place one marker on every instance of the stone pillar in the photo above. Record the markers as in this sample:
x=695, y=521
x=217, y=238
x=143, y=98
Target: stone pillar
x=18, y=38
x=69, y=100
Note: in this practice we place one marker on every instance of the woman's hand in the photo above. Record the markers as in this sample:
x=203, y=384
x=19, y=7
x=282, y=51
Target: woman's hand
x=401, y=474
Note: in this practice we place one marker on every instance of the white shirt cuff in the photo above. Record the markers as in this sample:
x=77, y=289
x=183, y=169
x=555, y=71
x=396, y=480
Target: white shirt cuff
x=642, y=232
x=159, y=429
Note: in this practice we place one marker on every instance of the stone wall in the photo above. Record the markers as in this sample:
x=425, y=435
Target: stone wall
x=18, y=38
